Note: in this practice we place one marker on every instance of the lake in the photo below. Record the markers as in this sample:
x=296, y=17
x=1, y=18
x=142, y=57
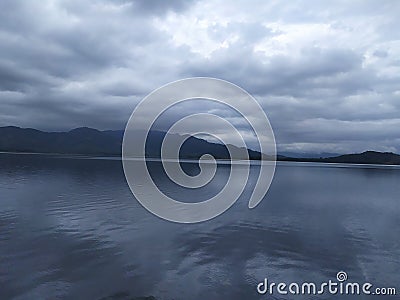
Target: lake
x=70, y=228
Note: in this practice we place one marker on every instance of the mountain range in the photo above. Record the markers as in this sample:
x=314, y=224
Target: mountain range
x=89, y=141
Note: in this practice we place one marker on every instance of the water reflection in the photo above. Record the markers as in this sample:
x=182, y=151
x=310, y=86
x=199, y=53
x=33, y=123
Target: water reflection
x=70, y=228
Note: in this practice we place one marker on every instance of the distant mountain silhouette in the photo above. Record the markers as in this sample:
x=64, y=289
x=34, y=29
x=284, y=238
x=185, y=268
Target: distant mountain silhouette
x=367, y=157
x=78, y=141
x=89, y=141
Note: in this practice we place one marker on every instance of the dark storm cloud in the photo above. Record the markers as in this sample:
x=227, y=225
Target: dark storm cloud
x=159, y=6
x=13, y=78
x=70, y=43
x=285, y=75
x=62, y=111
x=53, y=55
x=327, y=74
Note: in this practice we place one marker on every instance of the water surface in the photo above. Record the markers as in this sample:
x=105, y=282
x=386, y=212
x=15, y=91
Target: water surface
x=71, y=229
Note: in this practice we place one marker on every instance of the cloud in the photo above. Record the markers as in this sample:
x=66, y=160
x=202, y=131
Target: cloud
x=158, y=6
x=327, y=74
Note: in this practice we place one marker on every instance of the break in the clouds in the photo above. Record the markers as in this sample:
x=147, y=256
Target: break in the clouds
x=326, y=74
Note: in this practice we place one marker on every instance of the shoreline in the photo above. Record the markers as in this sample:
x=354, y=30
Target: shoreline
x=218, y=160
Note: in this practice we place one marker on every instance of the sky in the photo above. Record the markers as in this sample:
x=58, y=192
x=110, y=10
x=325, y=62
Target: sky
x=327, y=74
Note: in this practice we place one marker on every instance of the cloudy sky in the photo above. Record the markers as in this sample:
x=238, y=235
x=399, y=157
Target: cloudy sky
x=326, y=74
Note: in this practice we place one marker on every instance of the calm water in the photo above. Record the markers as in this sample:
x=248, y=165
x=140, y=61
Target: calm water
x=71, y=229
